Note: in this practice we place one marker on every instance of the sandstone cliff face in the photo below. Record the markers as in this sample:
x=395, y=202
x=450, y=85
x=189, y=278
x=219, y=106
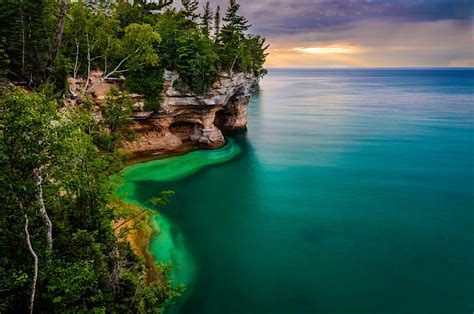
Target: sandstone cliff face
x=188, y=122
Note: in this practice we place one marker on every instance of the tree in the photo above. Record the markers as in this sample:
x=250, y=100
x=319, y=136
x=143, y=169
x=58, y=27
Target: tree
x=115, y=115
x=195, y=62
x=92, y=271
x=189, y=9
x=206, y=19
x=148, y=82
x=151, y=6
x=257, y=55
x=59, y=35
x=217, y=23
x=231, y=38
x=170, y=25
x=28, y=29
x=236, y=25
x=30, y=138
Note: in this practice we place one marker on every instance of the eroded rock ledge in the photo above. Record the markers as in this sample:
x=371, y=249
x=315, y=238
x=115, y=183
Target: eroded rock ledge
x=188, y=122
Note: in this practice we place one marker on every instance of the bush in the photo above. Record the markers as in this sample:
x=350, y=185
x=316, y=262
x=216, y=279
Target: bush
x=149, y=83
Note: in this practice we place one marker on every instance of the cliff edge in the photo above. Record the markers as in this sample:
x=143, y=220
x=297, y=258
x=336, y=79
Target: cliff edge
x=189, y=122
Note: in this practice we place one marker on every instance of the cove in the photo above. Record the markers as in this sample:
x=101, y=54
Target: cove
x=169, y=246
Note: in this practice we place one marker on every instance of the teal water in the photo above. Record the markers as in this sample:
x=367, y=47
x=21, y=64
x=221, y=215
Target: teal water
x=353, y=192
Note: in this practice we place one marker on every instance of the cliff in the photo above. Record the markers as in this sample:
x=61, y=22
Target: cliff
x=188, y=122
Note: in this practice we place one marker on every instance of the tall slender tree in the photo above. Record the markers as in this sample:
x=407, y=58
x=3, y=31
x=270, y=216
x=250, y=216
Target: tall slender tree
x=232, y=36
x=237, y=24
x=59, y=35
x=206, y=19
x=217, y=22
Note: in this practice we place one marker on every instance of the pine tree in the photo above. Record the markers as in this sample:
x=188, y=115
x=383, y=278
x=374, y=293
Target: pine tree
x=232, y=37
x=156, y=5
x=217, y=22
x=206, y=19
x=236, y=25
x=189, y=9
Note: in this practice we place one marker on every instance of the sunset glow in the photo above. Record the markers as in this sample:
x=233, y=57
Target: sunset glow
x=326, y=50
x=361, y=33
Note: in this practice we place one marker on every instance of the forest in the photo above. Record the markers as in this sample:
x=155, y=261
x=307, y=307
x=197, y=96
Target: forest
x=62, y=249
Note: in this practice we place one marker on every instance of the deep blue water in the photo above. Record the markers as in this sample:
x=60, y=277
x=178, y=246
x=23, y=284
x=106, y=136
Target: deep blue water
x=354, y=193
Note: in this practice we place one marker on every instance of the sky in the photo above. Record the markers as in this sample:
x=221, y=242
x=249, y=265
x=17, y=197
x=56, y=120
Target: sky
x=363, y=33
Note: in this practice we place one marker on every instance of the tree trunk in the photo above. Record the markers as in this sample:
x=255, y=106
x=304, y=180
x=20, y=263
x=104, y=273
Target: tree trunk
x=42, y=210
x=22, y=41
x=59, y=35
x=35, y=265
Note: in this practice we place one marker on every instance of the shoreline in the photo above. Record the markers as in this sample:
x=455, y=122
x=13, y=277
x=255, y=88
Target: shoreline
x=141, y=236
x=178, y=152
x=169, y=169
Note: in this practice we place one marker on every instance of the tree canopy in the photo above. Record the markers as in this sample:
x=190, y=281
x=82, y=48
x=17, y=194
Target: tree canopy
x=125, y=38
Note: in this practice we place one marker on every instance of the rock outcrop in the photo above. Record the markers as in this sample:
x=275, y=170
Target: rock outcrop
x=188, y=122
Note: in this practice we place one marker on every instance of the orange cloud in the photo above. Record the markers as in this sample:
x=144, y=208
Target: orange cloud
x=377, y=43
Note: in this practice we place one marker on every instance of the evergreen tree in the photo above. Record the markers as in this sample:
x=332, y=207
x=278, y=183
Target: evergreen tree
x=232, y=36
x=206, y=19
x=217, y=23
x=189, y=9
x=150, y=6
x=236, y=25
x=27, y=28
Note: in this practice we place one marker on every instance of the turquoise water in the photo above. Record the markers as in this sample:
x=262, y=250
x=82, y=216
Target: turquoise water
x=353, y=193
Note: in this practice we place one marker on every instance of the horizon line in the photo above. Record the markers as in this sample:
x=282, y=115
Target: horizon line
x=371, y=67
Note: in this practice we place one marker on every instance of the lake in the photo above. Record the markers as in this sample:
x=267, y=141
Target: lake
x=351, y=192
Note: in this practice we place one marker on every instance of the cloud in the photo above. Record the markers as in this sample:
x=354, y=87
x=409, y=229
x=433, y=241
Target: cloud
x=379, y=32
x=377, y=43
x=289, y=17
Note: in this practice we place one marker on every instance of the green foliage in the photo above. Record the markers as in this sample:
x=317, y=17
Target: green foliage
x=96, y=39
x=206, y=19
x=237, y=50
x=138, y=46
x=171, y=25
x=232, y=38
x=159, y=295
x=115, y=115
x=189, y=9
x=188, y=51
x=196, y=61
x=148, y=82
x=26, y=29
x=76, y=153
x=217, y=23
x=135, y=39
x=77, y=192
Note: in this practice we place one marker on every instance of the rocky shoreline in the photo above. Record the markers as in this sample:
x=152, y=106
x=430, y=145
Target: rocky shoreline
x=190, y=122
x=185, y=122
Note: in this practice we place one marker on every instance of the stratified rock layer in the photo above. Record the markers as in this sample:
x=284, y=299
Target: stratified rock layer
x=188, y=122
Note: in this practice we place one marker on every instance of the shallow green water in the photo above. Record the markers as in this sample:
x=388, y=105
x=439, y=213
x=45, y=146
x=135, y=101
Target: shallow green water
x=353, y=193
x=169, y=245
